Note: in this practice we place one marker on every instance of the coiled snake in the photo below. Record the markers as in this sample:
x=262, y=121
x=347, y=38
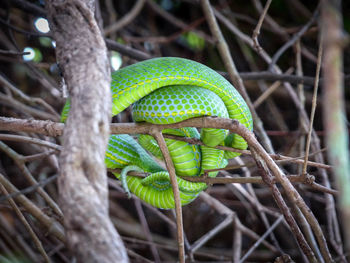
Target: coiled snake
x=169, y=90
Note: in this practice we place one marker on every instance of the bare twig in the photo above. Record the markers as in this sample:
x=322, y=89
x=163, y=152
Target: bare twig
x=28, y=99
x=30, y=188
x=269, y=91
x=257, y=243
x=316, y=145
x=27, y=174
x=222, y=209
x=126, y=19
x=178, y=210
x=19, y=138
x=313, y=108
x=232, y=71
x=55, y=129
x=51, y=225
x=19, y=106
x=128, y=51
x=256, y=31
x=292, y=40
x=266, y=175
x=237, y=241
x=36, y=240
x=146, y=229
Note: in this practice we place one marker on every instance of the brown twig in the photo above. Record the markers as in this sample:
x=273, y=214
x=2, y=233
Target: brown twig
x=332, y=221
x=19, y=106
x=30, y=188
x=256, y=31
x=222, y=209
x=178, y=210
x=25, y=139
x=146, y=229
x=28, y=99
x=266, y=175
x=257, y=243
x=237, y=241
x=232, y=71
x=20, y=215
x=314, y=102
x=27, y=174
x=55, y=129
x=51, y=225
x=126, y=19
x=126, y=50
x=268, y=91
x=291, y=42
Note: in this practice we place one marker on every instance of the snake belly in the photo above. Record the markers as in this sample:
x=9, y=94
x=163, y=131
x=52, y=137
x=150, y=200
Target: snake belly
x=164, y=91
x=169, y=90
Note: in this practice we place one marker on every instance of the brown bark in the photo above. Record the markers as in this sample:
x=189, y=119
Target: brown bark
x=82, y=56
x=337, y=139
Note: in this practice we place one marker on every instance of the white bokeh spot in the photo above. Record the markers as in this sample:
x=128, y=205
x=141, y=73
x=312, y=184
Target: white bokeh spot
x=42, y=25
x=29, y=56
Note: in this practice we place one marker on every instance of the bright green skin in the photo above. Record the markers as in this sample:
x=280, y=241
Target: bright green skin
x=123, y=151
x=169, y=90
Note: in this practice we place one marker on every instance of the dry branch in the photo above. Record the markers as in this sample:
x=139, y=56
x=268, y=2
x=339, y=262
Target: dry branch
x=82, y=56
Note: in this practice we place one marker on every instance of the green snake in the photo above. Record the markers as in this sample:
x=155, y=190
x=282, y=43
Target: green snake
x=164, y=91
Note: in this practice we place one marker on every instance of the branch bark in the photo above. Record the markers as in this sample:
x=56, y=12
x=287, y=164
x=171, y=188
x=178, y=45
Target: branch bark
x=337, y=139
x=82, y=55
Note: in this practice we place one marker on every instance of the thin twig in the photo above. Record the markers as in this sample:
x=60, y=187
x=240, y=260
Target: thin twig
x=291, y=42
x=257, y=243
x=146, y=229
x=20, y=215
x=269, y=91
x=237, y=241
x=313, y=107
x=126, y=50
x=13, y=53
x=210, y=234
x=28, y=99
x=222, y=209
x=266, y=175
x=27, y=174
x=51, y=225
x=232, y=71
x=20, y=138
x=29, y=189
x=126, y=19
x=178, y=210
x=256, y=31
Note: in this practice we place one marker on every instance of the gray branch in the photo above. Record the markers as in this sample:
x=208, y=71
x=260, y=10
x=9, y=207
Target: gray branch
x=82, y=55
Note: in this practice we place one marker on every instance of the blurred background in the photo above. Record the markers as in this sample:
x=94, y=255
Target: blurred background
x=31, y=87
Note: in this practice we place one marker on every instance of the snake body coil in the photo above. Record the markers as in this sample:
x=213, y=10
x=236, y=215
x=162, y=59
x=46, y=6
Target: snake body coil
x=170, y=90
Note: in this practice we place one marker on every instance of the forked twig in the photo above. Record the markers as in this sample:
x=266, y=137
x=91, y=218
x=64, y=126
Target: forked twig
x=256, y=31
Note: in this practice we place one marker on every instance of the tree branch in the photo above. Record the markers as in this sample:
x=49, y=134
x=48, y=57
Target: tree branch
x=82, y=55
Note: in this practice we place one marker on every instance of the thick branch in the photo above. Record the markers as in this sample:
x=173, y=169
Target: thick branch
x=82, y=55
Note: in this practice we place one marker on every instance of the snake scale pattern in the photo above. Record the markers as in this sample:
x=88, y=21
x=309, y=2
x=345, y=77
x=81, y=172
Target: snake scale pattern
x=164, y=91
